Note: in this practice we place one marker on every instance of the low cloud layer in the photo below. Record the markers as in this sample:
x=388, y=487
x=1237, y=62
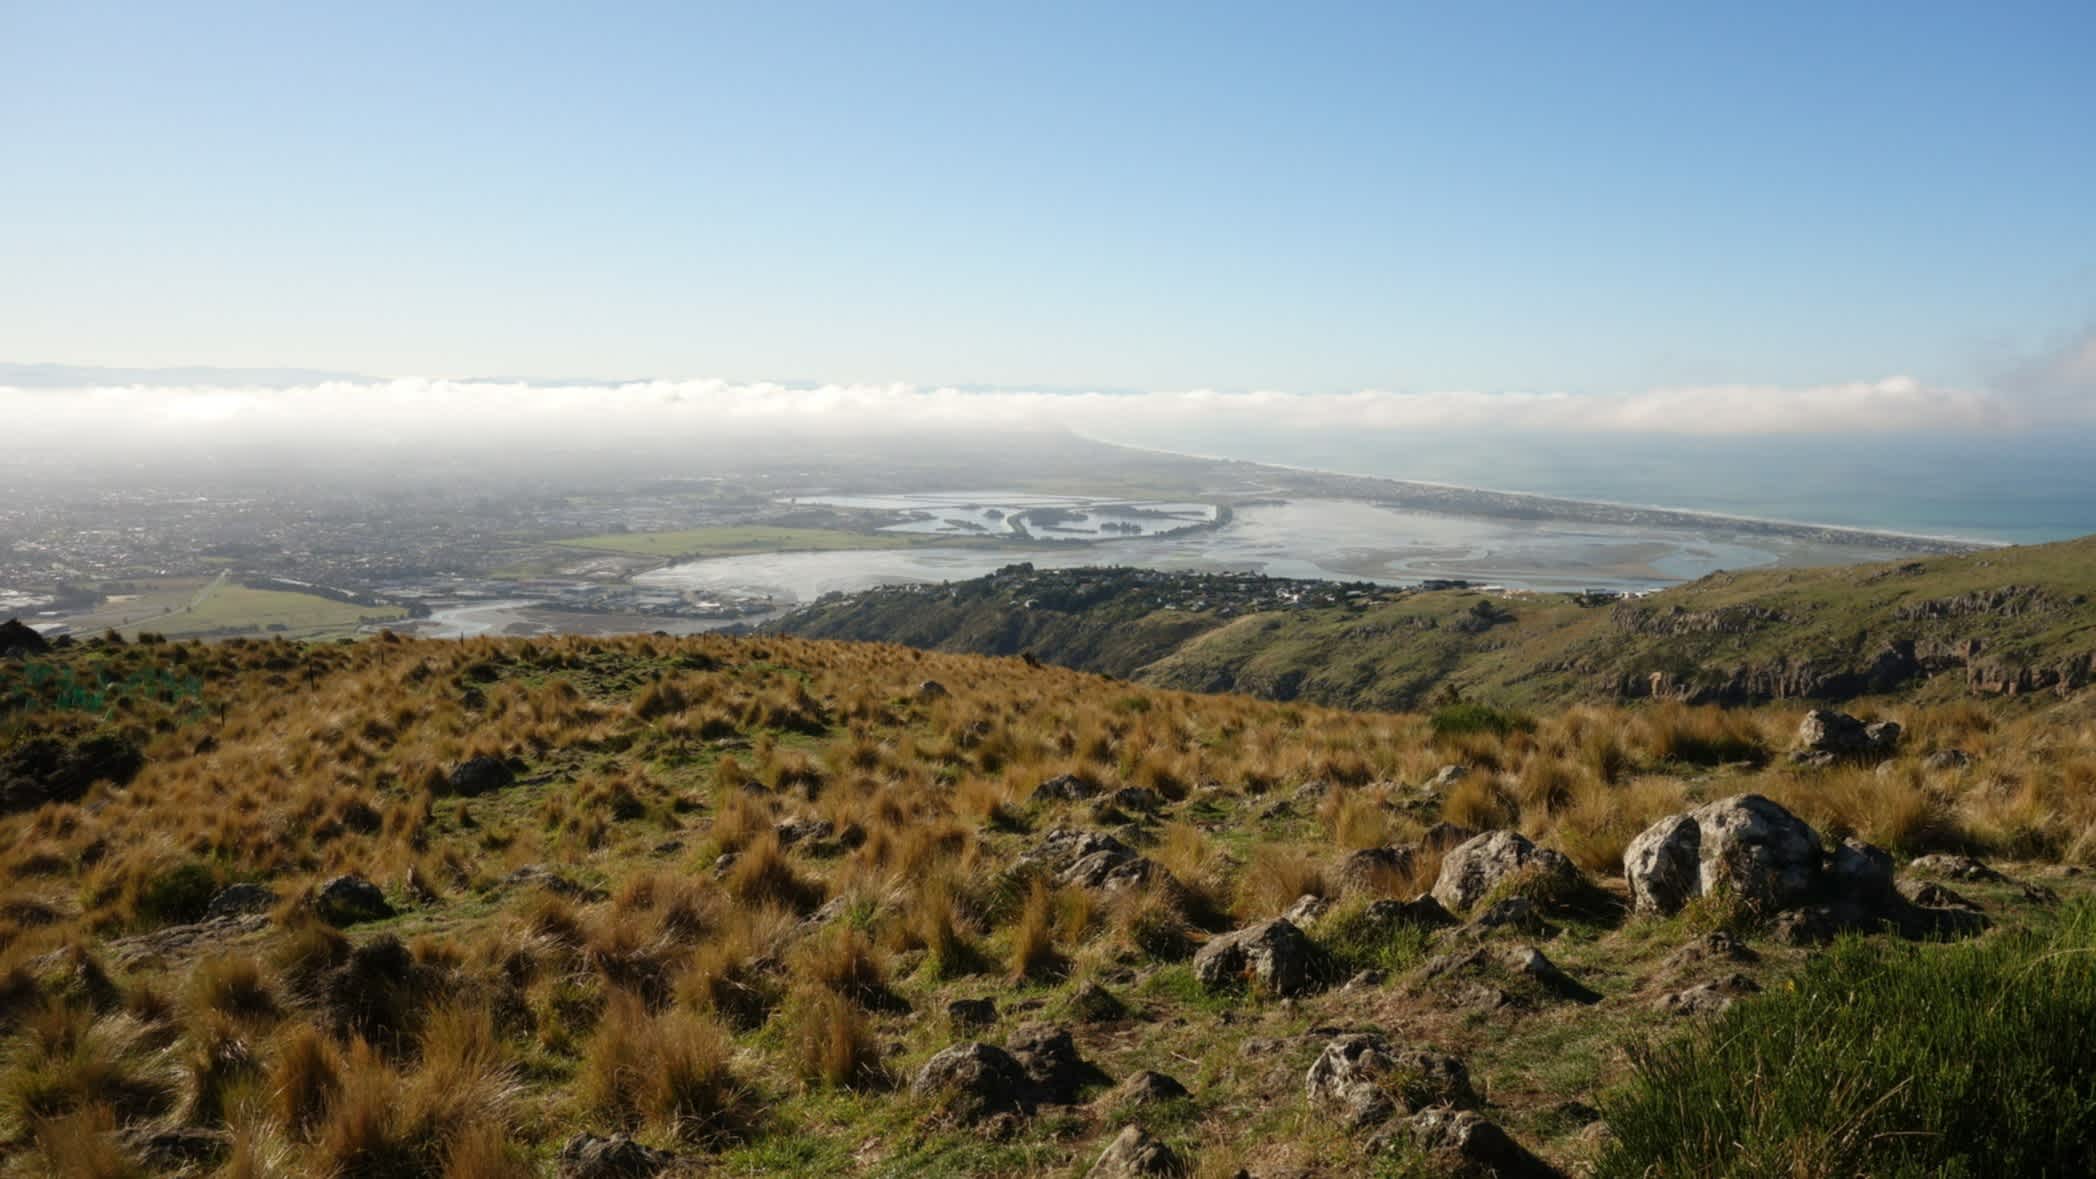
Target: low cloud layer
x=2059, y=390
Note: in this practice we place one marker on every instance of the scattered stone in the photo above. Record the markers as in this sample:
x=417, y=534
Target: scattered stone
x=1954, y=867
x=972, y=1013
x=792, y=831
x=1744, y=844
x=1364, y=980
x=1373, y=870
x=1709, y=998
x=1092, y=1003
x=1048, y=1058
x=1446, y=777
x=1147, y=1087
x=540, y=876
x=1469, y=1144
x=1133, y=1154
x=1947, y=759
x=1066, y=788
x=1274, y=955
x=1531, y=963
x=481, y=775
x=1829, y=735
x=1444, y=835
x=350, y=900
x=586, y=1156
x=237, y=899
x=1477, y=865
x=1516, y=913
x=974, y=1081
x=1307, y=910
x=1367, y=1081
x=1931, y=895
x=1716, y=946
x=1137, y=800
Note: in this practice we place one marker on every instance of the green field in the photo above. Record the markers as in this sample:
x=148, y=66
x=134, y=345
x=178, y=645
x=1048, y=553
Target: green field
x=734, y=540
x=227, y=608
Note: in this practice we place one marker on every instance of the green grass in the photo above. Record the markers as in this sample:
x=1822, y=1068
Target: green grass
x=736, y=539
x=225, y=608
x=1884, y=1059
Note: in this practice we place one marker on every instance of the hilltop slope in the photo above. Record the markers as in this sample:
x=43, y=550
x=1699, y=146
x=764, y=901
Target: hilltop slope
x=2004, y=621
x=774, y=906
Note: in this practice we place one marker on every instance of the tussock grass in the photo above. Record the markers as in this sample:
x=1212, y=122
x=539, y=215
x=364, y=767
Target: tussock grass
x=1884, y=1059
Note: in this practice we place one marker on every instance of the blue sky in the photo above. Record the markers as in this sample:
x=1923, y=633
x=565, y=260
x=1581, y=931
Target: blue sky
x=1492, y=197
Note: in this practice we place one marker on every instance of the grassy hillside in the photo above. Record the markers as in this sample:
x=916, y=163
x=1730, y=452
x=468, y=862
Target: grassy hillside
x=725, y=895
x=2007, y=621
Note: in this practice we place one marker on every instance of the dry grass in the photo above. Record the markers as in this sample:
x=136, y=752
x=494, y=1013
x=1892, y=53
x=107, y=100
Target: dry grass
x=676, y=965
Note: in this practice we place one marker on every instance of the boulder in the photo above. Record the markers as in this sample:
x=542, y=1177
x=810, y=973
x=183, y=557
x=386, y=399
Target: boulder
x=586, y=1156
x=1134, y=1154
x=1093, y=1003
x=349, y=900
x=932, y=690
x=1744, y=844
x=974, y=1081
x=1860, y=874
x=1476, y=866
x=805, y=827
x=1530, y=963
x=1515, y=913
x=1446, y=777
x=1273, y=955
x=1366, y=1081
x=480, y=775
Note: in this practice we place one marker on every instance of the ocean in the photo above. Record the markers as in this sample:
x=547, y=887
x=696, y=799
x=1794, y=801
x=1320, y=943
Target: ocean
x=2017, y=489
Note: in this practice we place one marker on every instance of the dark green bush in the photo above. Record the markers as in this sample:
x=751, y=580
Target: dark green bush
x=1453, y=720
x=1884, y=1059
x=181, y=893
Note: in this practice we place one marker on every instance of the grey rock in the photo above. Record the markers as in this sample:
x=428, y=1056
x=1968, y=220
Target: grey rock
x=792, y=831
x=1147, y=1087
x=1514, y=913
x=1476, y=866
x=350, y=900
x=1531, y=963
x=1709, y=998
x=1827, y=733
x=1446, y=777
x=1134, y=1154
x=932, y=690
x=1066, y=788
x=1274, y=955
x=1954, y=867
x=972, y=1013
x=1744, y=844
x=1373, y=870
x=1048, y=1058
x=1860, y=873
x=1467, y=1144
x=1364, y=1079
x=1307, y=910
x=1946, y=759
x=237, y=899
x=480, y=775
x=974, y=1081
x=587, y=1156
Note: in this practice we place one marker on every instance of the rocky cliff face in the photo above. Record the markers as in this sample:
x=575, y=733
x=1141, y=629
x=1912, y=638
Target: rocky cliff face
x=1896, y=665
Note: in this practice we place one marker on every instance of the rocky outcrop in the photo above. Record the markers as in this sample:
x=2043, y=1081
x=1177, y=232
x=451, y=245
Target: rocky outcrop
x=1146, y=1088
x=1462, y=1142
x=1365, y=1080
x=2008, y=601
x=1472, y=869
x=1039, y=1065
x=1373, y=871
x=1273, y=956
x=1089, y=859
x=1674, y=622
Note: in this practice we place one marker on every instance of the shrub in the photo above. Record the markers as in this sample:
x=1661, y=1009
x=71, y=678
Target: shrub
x=178, y=894
x=1883, y=1059
x=1466, y=717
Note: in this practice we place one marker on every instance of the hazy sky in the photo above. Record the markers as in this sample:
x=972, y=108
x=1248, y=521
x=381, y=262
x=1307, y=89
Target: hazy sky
x=1488, y=197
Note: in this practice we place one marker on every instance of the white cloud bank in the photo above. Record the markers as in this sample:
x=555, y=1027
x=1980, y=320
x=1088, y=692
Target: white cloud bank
x=431, y=410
